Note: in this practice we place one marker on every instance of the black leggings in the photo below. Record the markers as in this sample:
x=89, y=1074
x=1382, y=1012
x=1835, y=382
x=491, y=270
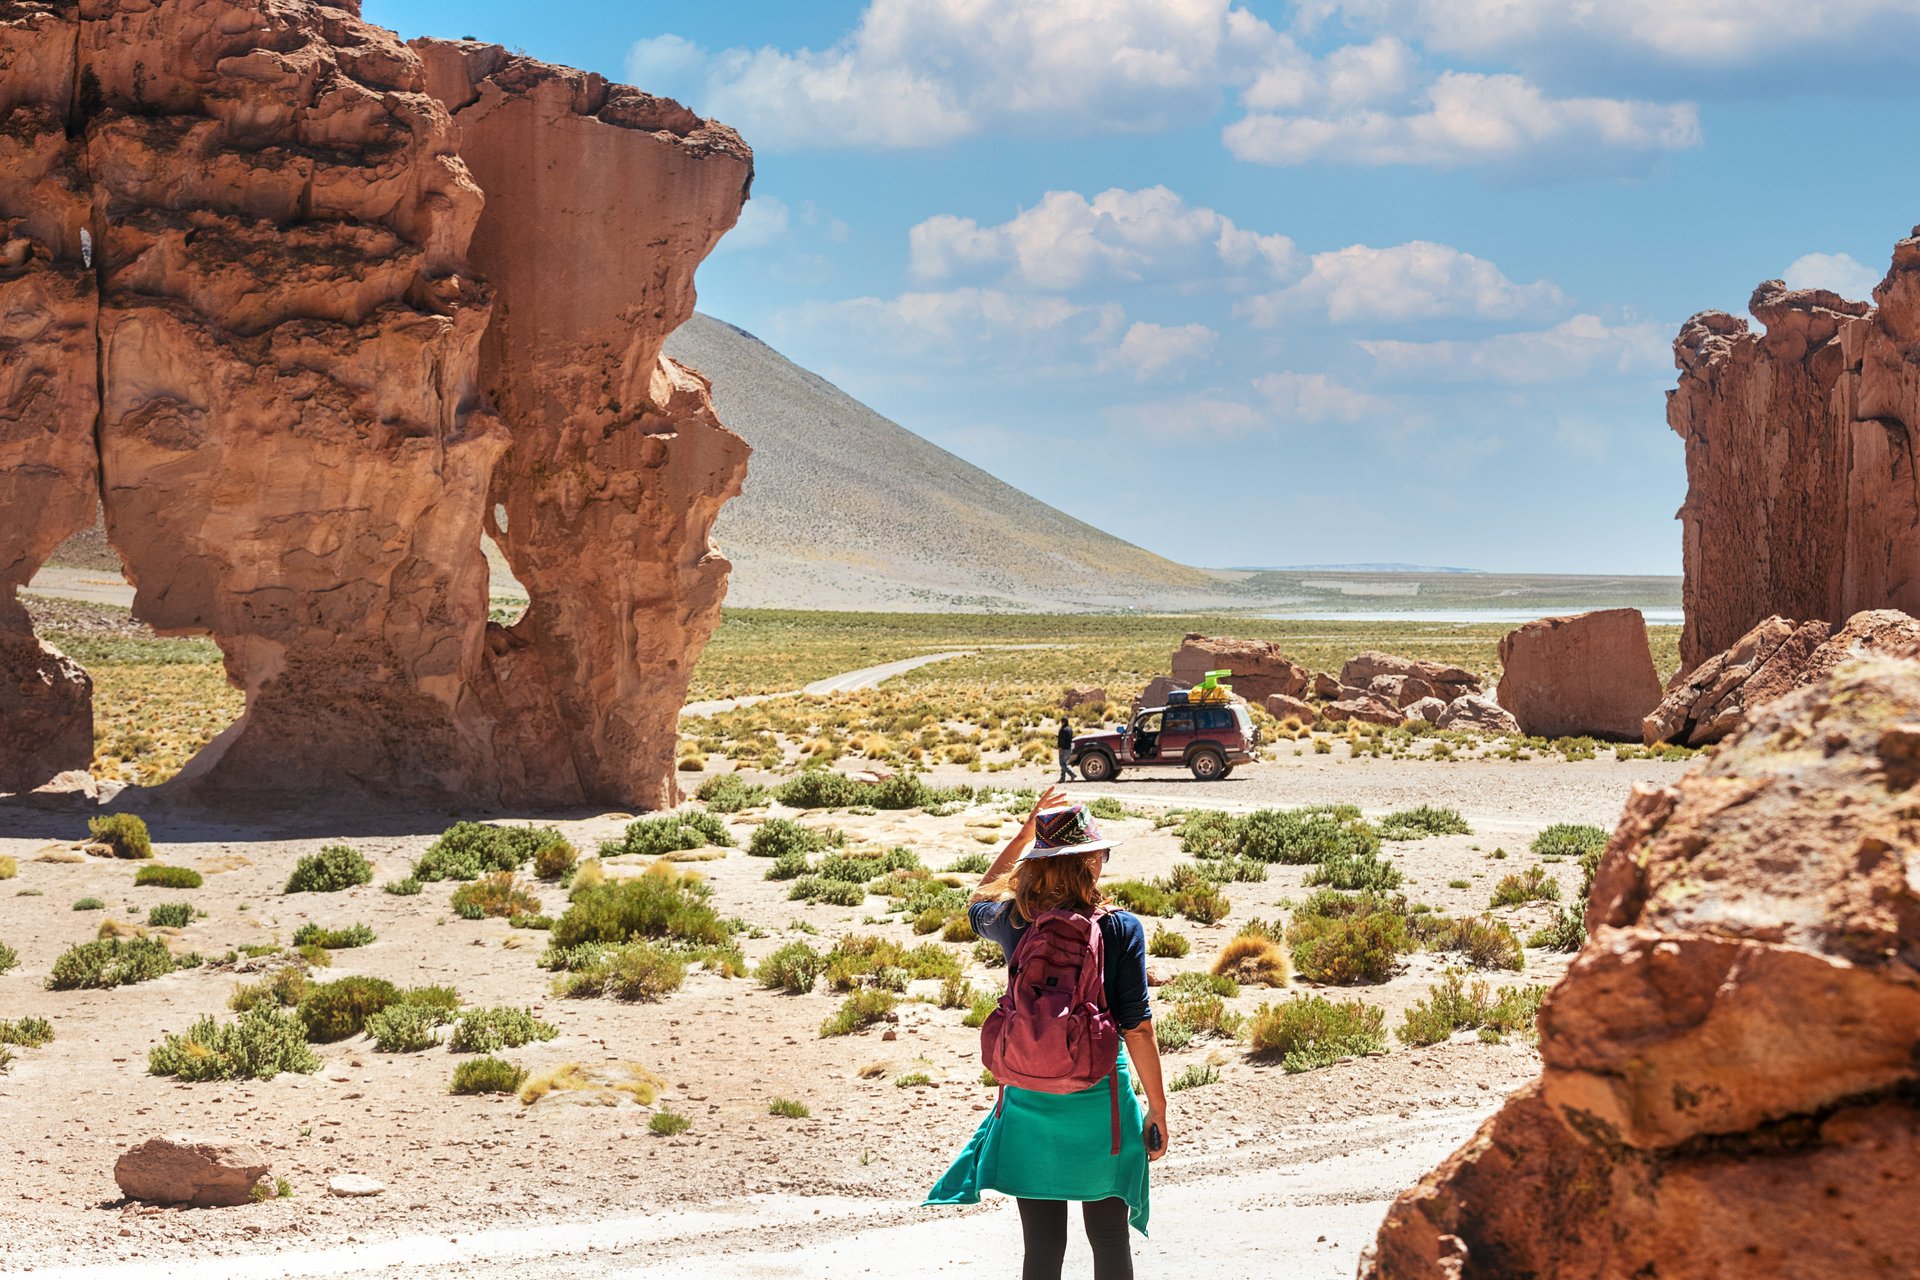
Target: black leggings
x=1044, y=1224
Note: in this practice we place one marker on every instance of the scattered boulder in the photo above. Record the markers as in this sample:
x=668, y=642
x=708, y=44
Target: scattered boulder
x=201, y=1172
x=1726, y=1087
x=1325, y=686
x=1445, y=681
x=1280, y=706
x=1259, y=669
x=1365, y=708
x=46, y=712
x=1400, y=690
x=1587, y=674
x=1083, y=695
x=1155, y=694
x=353, y=1184
x=1477, y=713
x=1428, y=709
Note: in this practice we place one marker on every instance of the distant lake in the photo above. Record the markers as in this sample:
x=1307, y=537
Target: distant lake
x=1655, y=617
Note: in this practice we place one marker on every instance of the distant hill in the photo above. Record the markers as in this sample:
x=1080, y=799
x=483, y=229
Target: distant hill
x=845, y=509
x=1349, y=568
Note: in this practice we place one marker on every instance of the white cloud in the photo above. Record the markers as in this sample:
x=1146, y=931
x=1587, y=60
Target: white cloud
x=925, y=72
x=1315, y=397
x=1840, y=272
x=1068, y=240
x=763, y=223
x=1419, y=280
x=1467, y=119
x=1583, y=347
x=1147, y=348
x=964, y=327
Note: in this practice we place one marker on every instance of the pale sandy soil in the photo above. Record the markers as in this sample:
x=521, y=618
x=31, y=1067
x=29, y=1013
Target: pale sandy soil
x=1264, y=1162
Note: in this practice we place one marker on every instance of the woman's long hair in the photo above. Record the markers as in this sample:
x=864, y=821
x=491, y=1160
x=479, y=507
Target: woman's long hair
x=1063, y=882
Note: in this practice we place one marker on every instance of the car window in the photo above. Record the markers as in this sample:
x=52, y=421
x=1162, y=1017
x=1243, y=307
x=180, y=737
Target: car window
x=1216, y=718
x=1179, y=722
x=1149, y=724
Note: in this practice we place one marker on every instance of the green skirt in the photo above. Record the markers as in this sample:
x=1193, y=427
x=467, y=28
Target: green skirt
x=1056, y=1146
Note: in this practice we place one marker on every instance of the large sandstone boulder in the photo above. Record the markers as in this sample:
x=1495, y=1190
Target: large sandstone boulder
x=1727, y=1089
x=1801, y=491
x=1280, y=706
x=1428, y=709
x=1155, y=694
x=1365, y=708
x=1588, y=674
x=1477, y=713
x=1441, y=679
x=1083, y=695
x=46, y=713
x=1259, y=668
x=201, y=1172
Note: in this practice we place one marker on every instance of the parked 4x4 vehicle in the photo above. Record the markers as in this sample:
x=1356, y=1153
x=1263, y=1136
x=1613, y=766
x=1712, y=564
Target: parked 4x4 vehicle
x=1209, y=738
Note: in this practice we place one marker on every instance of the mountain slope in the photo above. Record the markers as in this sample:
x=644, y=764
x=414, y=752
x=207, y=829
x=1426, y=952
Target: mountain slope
x=845, y=509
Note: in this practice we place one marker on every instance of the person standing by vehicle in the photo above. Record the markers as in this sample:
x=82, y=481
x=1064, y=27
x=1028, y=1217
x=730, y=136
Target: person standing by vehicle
x=1092, y=1144
x=1065, y=741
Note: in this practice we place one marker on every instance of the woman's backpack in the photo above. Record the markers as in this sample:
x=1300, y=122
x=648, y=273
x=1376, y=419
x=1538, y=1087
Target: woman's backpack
x=1052, y=1031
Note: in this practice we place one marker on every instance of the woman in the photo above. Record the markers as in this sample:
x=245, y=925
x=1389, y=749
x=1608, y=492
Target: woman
x=1049, y=1148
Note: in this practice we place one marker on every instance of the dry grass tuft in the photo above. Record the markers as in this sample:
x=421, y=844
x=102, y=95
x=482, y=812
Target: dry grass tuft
x=1254, y=960
x=603, y=1086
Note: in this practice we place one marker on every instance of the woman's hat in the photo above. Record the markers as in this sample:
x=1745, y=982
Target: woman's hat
x=1060, y=832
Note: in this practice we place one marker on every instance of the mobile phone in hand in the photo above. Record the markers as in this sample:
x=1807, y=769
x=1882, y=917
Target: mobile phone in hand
x=1154, y=1141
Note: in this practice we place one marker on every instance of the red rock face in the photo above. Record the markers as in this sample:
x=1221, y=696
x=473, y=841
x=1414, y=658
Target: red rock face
x=308, y=390
x=1259, y=668
x=1728, y=1065
x=1589, y=674
x=1441, y=680
x=1802, y=496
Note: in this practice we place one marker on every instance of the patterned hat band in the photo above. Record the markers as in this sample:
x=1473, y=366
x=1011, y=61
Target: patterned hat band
x=1061, y=832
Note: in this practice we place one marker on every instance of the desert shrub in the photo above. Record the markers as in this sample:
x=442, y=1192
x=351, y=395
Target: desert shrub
x=170, y=915
x=1187, y=986
x=788, y=866
x=316, y=957
x=524, y=921
x=1253, y=960
x=1207, y=1015
x=824, y=789
x=9, y=868
x=793, y=968
x=970, y=864
x=334, y=868
x=1531, y=885
x=1569, y=840
x=89, y=904
x=1312, y=1031
x=668, y=1124
x=1426, y=820
x=1232, y=870
x=1171, y=1032
x=1166, y=943
x=1451, y=1005
x=486, y=1030
x=1346, y=949
x=406, y=887
x=634, y=971
x=259, y=1045
x=1356, y=871
x=782, y=837
x=1289, y=836
x=338, y=1009
x=124, y=833
x=553, y=860
x=110, y=962
x=666, y=833
x=469, y=850
x=406, y=1027
x=499, y=894
x=1194, y=1076
x=486, y=1075
x=9, y=958
x=166, y=877
x=859, y=1010
x=663, y=903
x=989, y=953
x=955, y=993
x=1568, y=932
x=884, y=962
x=313, y=935
x=1141, y=897
x=1206, y=833
x=840, y=893
x=28, y=1033
x=958, y=928
x=729, y=793
x=983, y=1003
x=859, y=868
x=819, y=789
x=1486, y=944
x=284, y=988
x=788, y=1109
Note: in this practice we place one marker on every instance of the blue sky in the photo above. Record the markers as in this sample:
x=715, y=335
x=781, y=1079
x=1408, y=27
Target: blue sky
x=1260, y=283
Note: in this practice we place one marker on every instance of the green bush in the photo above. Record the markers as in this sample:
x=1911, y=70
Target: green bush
x=989, y=953
x=284, y=988
x=334, y=868
x=499, y=894
x=407, y=1027
x=469, y=850
x=668, y=1124
x=1569, y=840
x=1451, y=1005
x=779, y=837
x=89, y=904
x=1194, y=1076
x=1568, y=932
x=28, y=1033
x=660, y=904
x=859, y=1010
x=1141, y=897
x=110, y=962
x=486, y=1075
x=1288, y=836
x=635, y=971
x=970, y=864
x=1347, y=949
x=788, y=1109
x=9, y=958
x=259, y=1045
x=487, y=1030
x=166, y=877
x=1171, y=1033
x=794, y=968
x=1232, y=870
x=824, y=789
x=840, y=893
x=983, y=1003
x=1312, y=1031
x=313, y=935
x=170, y=915
x=788, y=866
x=819, y=789
x=1531, y=885
x=729, y=793
x=555, y=859
x=1426, y=820
x=124, y=833
x=860, y=868
x=1190, y=986
x=1168, y=944
x=1356, y=871
x=338, y=1009
x=669, y=833
x=1486, y=944
x=406, y=887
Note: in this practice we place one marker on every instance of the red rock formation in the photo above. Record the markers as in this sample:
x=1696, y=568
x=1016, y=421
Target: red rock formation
x=1280, y=706
x=49, y=471
x=1477, y=713
x=1727, y=1087
x=1259, y=668
x=1442, y=680
x=1588, y=674
x=300, y=362
x=1802, y=497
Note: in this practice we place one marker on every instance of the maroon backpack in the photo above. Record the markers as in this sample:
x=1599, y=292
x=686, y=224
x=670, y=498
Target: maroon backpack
x=1052, y=1031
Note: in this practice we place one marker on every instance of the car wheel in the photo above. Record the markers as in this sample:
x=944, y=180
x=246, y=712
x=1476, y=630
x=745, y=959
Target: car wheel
x=1227, y=772
x=1208, y=766
x=1097, y=766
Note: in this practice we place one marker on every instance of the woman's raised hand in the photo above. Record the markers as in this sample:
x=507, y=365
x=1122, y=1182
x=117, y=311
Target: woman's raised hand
x=1051, y=798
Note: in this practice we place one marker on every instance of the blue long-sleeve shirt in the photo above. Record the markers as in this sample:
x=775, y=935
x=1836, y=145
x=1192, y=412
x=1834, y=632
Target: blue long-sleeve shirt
x=1126, y=955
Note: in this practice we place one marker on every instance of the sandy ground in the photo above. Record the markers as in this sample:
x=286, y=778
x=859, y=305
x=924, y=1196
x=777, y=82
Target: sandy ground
x=1263, y=1163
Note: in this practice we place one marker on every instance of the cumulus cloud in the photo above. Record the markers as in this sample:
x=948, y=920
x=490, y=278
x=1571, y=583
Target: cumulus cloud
x=1147, y=349
x=763, y=223
x=962, y=327
x=1581, y=348
x=1315, y=397
x=1469, y=119
x=1067, y=241
x=1419, y=280
x=924, y=72
x=1840, y=272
